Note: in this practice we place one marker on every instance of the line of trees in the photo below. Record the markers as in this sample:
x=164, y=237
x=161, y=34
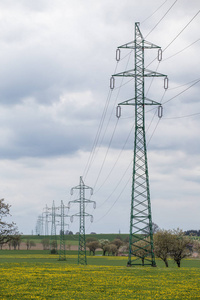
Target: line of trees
x=110, y=248
x=172, y=244
x=192, y=232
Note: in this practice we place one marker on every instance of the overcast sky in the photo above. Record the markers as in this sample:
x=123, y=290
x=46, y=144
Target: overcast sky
x=56, y=59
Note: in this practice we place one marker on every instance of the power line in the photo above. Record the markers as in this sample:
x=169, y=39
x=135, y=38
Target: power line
x=154, y=12
x=195, y=82
x=117, y=185
x=115, y=161
x=181, y=50
x=88, y=164
x=181, y=117
x=182, y=30
x=179, y=86
x=181, y=92
x=101, y=141
x=161, y=18
x=114, y=201
x=96, y=141
x=153, y=132
x=175, y=39
x=106, y=153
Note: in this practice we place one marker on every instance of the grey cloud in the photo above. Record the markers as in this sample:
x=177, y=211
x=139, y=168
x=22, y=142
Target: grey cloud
x=56, y=60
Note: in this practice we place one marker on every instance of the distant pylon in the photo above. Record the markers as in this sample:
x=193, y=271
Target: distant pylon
x=46, y=221
x=53, y=228
x=141, y=249
x=62, y=252
x=82, y=258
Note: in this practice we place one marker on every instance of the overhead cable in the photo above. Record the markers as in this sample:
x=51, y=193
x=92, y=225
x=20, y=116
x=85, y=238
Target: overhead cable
x=161, y=18
x=154, y=12
x=182, y=30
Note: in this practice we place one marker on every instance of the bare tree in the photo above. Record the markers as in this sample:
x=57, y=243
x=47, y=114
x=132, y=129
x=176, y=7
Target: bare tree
x=7, y=230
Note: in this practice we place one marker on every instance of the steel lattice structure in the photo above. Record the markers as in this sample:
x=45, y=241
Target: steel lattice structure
x=141, y=249
x=82, y=258
x=62, y=251
x=53, y=228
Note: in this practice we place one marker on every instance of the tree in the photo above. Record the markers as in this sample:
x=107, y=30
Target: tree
x=93, y=246
x=16, y=240
x=45, y=243
x=155, y=227
x=142, y=249
x=7, y=230
x=30, y=244
x=104, y=245
x=172, y=243
x=118, y=243
x=181, y=246
x=163, y=244
x=90, y=239
x=196, y=246
x=54, y=247
x=113, y=249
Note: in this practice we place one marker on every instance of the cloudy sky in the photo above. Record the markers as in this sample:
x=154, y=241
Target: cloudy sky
x=57, y=113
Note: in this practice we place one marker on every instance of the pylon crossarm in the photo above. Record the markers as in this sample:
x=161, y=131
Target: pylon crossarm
x=149, y=73
x=147, y=45
x=74, y=201
x=132, y=101
x=129, y=73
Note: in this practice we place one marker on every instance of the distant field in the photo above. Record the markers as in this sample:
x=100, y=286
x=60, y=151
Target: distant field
x=39, y=275
x=72, y=240
x=75, y=237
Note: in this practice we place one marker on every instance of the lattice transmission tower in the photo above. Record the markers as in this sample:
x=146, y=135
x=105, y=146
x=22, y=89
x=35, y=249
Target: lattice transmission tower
x=46, y=213
x=54, y=244
x=141, y=249
x=82, y=258
x=62, y=251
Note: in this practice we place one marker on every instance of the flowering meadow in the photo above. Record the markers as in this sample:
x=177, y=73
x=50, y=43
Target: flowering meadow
x=44, y=277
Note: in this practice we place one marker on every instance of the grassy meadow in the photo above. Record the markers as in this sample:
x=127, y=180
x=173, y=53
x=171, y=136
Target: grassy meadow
x=39, y=275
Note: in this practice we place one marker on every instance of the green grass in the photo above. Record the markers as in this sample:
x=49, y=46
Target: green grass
x=36, y=274
x=75, y=237
x=45, y=256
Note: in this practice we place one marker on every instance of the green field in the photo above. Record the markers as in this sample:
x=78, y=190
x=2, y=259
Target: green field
x=73, y=239
x=39, y=275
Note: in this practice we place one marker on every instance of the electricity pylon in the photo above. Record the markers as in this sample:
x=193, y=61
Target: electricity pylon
x=141, y=234
x=46, y=221
x=40, y=225
x=82, y=259
x=53, y=228
x=62, y=252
